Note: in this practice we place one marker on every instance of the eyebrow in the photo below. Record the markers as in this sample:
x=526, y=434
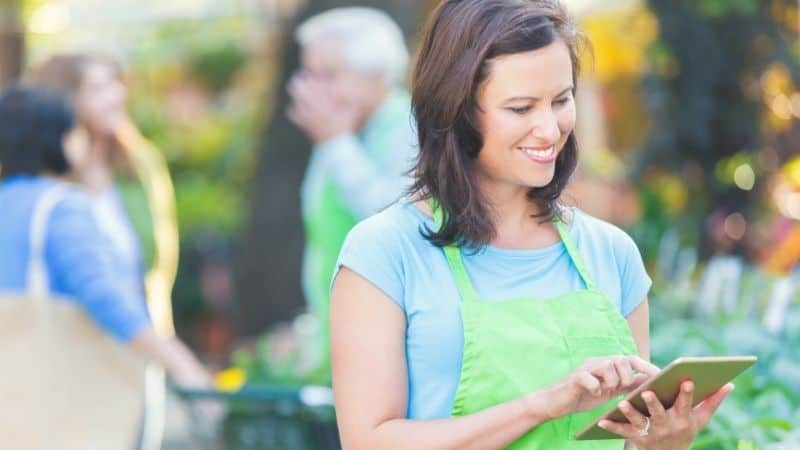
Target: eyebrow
x=535, y=99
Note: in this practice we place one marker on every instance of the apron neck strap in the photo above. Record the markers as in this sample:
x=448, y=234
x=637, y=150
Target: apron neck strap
x=454, y=258
x=456, y=262
x=574, y=254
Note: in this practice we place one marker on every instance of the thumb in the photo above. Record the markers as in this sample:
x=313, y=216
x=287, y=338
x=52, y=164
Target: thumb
x=709, y=406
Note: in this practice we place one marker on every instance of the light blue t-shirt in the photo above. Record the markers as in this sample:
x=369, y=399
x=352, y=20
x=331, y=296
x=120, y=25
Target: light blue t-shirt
x=388, y=250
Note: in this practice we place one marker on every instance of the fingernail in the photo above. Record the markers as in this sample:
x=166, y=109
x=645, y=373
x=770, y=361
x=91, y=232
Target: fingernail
x=602, y=424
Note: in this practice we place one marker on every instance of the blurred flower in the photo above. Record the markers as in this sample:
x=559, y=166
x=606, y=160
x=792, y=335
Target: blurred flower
x=230, y=380
x=777, y=87
x=671, y=191
x=744, y=177
x=735, y=226
x=620, y=40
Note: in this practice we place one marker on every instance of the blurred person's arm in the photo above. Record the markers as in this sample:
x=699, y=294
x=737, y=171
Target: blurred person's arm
x=173, y=355
x=78, y=258
x=366, y=186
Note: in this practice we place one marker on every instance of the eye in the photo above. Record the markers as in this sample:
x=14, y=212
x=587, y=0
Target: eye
x=563, y=101
x=520, y=110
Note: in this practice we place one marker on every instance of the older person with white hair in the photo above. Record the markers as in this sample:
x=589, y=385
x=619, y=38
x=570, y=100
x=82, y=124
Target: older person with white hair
x=348, y=98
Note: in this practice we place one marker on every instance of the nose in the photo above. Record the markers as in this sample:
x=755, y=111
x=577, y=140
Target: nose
x=545, y=127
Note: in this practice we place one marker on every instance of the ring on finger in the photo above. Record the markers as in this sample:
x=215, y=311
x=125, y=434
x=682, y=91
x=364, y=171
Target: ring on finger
x=645, y=430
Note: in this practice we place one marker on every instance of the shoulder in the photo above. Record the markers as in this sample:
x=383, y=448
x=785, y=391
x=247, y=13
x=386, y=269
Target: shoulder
x=610, y=242
x=380, y=247
x=398, y=225
x=73, y=215
x=73, y=201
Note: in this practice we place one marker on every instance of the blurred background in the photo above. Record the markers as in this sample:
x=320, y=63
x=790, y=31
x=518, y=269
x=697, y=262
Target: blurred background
x=688, y=124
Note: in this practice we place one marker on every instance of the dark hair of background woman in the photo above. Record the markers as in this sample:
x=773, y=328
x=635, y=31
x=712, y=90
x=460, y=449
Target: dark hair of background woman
x=33, y=124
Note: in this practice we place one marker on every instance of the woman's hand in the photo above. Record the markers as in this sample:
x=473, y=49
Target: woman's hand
x=597, y=381
x=672, y=429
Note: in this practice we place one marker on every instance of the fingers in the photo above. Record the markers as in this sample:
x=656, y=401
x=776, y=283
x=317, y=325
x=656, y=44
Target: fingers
x=683, y=404
x=636, y=418
x=299, y=115
x=588, y=382
x=657, y=412
x=617, y=373
x=625, y=430
x=304, y=89
x=625, y=372
x=639, y=379
x=643, y=366
x=710, y=404
x=607, y=371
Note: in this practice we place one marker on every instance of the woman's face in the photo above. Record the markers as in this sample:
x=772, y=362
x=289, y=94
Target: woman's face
x=526, y=113
x=101, y=99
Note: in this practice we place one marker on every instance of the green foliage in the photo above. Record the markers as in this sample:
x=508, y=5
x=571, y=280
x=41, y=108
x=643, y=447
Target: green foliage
x=216, y=65
x=188, y=98
x=763, y=412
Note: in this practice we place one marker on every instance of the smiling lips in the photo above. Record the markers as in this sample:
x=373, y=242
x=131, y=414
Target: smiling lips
x=540, y=155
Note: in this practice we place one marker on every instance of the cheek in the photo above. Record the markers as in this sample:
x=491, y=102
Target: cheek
x=503, y=129
x=566, y=120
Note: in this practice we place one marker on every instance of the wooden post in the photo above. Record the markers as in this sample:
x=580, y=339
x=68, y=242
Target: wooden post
x=12, y=41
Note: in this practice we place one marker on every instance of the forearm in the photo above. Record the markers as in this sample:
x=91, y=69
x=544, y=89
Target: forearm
x=171, y=354
x=366, y=186
x=492, y=428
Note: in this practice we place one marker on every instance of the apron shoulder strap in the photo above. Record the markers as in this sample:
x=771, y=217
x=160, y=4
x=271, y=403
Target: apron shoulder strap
x=455, y=260
x=574, y=254
x=38, y=283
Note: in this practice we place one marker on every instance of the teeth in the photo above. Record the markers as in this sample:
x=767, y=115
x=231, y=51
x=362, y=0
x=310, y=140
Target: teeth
x=539, y=153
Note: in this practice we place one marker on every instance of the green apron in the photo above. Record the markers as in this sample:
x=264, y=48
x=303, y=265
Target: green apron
x=329, y=220
x=518, y=346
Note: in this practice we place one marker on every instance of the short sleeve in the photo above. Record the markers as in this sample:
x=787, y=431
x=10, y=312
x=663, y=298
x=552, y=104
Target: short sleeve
x=371, y=251
x=635, y=282
x=79, y=258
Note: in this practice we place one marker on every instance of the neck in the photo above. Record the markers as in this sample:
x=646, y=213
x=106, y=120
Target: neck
x=512, y=215
x=97, y=175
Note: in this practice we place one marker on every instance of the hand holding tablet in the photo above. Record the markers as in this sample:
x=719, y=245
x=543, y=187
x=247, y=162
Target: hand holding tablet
x=709, y=374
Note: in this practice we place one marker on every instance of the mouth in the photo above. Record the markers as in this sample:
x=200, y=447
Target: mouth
x=540, y=155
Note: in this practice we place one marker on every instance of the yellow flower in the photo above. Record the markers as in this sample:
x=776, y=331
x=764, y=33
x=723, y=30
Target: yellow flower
x=791, y=171
x=620, y=40
x=230, y=380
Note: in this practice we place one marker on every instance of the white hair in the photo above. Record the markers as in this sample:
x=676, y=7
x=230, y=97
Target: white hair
x=373, y=42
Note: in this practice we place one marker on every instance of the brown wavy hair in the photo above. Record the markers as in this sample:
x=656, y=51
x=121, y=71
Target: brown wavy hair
x=65, y=73
x=459, y=41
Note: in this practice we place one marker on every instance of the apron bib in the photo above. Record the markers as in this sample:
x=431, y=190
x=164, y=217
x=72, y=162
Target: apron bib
x=517, y=346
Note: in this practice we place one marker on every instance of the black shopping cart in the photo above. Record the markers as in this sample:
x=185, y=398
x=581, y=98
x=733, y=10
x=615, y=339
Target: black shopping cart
x=267, y=417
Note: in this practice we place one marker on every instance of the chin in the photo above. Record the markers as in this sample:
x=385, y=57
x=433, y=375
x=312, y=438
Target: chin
x=539, y=181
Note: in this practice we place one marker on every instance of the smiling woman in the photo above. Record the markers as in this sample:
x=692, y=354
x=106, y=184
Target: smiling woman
x=489, y=314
